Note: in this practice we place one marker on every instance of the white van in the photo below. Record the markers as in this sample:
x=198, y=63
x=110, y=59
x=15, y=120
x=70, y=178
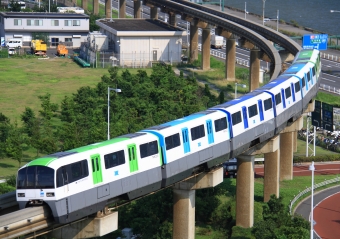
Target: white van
x=14, y=43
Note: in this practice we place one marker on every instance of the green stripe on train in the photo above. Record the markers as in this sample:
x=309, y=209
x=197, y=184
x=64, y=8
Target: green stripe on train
x=45, y=161
x=41, y=161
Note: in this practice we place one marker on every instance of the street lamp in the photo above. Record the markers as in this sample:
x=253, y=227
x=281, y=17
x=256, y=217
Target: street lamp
x=236, y=84
x=245, y=10
x=312, y=168
x=264, y=1
x=108, y=109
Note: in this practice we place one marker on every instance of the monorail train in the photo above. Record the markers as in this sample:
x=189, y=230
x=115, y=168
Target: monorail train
x=79, y=182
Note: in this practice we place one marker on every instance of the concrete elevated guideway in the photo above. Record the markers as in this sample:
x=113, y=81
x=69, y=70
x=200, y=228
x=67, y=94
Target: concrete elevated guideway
x=278, y=152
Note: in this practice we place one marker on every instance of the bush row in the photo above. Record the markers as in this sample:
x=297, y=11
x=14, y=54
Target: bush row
x=317, y=158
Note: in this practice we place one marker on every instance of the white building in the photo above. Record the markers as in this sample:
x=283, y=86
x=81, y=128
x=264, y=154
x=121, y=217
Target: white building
x=69, y=28
x=139, y=42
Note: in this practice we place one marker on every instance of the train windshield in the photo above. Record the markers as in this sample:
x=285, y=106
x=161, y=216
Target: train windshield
x=39, y=177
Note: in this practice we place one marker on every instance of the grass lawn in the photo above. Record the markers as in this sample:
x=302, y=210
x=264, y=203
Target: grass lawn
x=23, y=80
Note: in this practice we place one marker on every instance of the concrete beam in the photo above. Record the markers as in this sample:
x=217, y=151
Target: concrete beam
x=95, y=7
x=271, y=174
x=286, y=56
x=254, y=69
x=108, y=8
x=203, y=180
x=193, y=42
x=205, y=64
x=230, y=60
x=224, y=33
x=310, y=107
x=91, y=227
x=269, y=147
x=153, y=12
x=296, y=126
x=84, y=4
x=137, y=9
x=122, y=9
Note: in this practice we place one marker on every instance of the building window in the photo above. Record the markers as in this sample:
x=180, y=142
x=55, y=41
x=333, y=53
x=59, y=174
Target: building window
x=34, y=22
x=54, y=22
x=68, y=39
x=76, y=22
x=17, y=22
x=68, y=23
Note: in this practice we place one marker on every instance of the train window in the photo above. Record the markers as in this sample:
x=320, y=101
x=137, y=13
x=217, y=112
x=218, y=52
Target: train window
x=197, y=132
x=114, y=159
x=278, y=98
x=297, y=87
x=303, y=82
x=313, y=70
x=76, y=171
x=308, y=76
x=172, y=141
x=220, y=124
x=288, y=92
x=268, y=104
x=35, y=177
x=252, y=111
x=236, y=118
x=148, y=149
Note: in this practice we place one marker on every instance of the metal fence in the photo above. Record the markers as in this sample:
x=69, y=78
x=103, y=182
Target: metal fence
x=330, y=89
x=307, y=190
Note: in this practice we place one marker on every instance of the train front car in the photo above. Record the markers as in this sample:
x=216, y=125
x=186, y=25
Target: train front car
x=35, y=184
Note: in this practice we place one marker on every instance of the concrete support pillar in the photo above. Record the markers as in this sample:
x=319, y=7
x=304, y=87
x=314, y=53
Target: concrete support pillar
x=137, y=9
x=295, y=141
x=108, y=8
x=230, y=59
x=95, y=7
x=122, y=9
x=245, y=191
x=84, y=4
x=254, y=71
x=74, y=3
x=193, y=42
x=184, y=214
x=271, y=174
x=286, y=156
x=153, y=12
x=172, y=19
x=205, y=64
x=90, y=227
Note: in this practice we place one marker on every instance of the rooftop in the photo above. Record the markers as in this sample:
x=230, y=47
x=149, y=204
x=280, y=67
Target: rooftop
x=138, y=25
x=38, y=15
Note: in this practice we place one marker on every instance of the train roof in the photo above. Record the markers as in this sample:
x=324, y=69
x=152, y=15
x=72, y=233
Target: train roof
x=274, y=83
x=295, y=68
x=238, y=100
x=48, y=159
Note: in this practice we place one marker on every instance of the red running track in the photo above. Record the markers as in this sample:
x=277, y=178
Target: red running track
x=327, y=212
x=327, y=217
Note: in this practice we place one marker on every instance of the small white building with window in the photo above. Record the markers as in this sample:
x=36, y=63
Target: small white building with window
x=69, y=28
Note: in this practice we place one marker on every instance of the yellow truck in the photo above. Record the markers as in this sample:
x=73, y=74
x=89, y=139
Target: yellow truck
x=39, y=47
x=62, y=50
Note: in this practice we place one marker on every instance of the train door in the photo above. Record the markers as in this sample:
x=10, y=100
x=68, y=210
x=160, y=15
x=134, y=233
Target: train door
x=293, y=91
x=245, y=117
x=185, y=137
x=210, y=132
x=260, y=110
x=133, y=162
x=96, y=169
x=283, y=98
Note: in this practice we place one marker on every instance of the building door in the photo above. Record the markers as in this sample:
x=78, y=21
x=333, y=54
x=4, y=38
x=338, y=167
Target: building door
x=54, y=42
x=154, y=55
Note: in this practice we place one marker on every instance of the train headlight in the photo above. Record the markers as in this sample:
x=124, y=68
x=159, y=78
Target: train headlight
x=49, y=194
x=21, y=194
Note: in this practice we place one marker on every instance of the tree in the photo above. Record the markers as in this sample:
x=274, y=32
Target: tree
x=93, y=25
x=16, y=143
x=4, y=133
x=15, y=6
x=28, y=118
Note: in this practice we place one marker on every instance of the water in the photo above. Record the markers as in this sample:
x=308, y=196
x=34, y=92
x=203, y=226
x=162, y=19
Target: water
x=314, y=14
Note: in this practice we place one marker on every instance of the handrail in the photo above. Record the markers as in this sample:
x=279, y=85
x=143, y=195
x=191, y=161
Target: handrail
x=334, y=180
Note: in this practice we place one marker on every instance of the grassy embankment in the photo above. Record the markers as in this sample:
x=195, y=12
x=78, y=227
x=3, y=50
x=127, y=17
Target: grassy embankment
x=23, y=80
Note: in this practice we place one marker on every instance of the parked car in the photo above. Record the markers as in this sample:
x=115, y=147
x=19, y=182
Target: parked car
x=11, y=51
x=230, y=168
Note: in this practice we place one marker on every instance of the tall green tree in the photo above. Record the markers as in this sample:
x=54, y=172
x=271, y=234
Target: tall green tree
x=28, y=118
x=16, y=143
x=4, y=133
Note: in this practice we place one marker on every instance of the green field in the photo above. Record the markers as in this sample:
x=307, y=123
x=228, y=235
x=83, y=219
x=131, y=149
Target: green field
x=23, y=80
